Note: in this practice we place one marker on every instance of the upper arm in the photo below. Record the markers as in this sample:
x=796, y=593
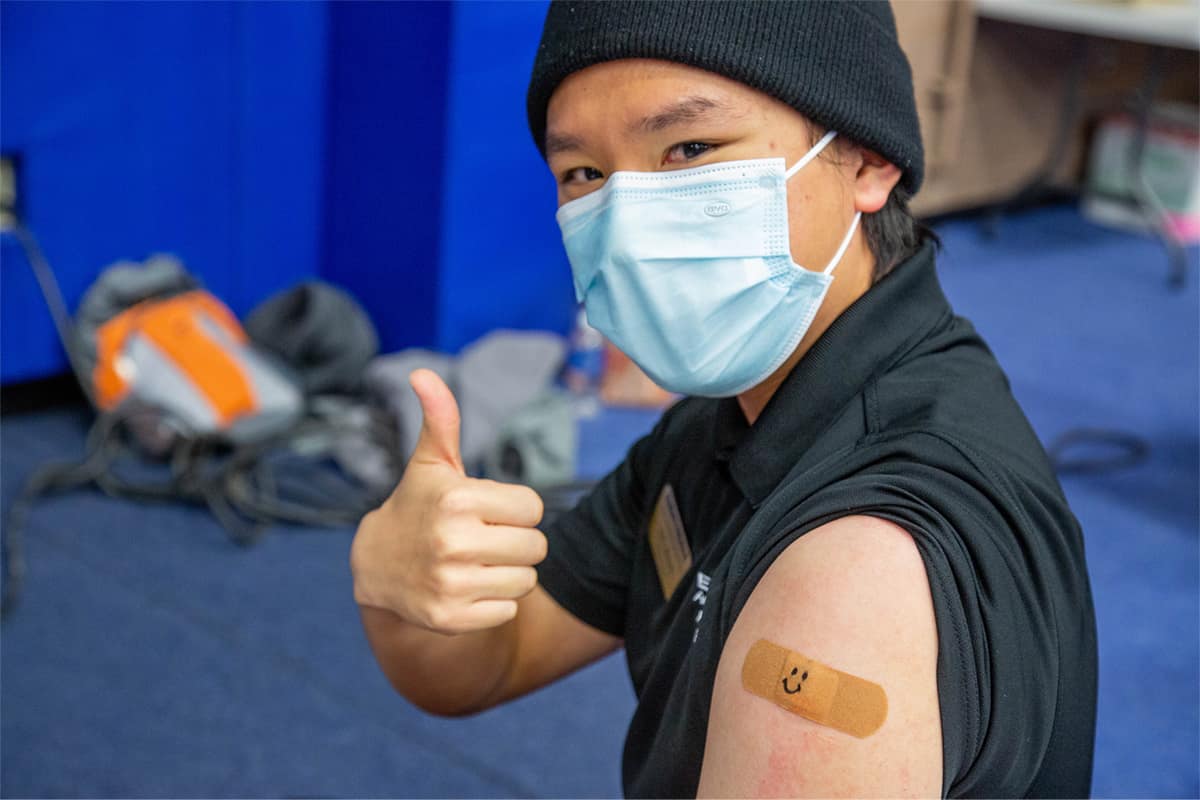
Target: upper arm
x=852, y=594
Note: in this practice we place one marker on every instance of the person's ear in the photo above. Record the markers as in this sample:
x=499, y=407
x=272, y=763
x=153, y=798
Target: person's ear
x=874, y=181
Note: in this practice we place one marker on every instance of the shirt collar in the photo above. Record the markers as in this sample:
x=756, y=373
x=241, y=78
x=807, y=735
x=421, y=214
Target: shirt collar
x=863, y=341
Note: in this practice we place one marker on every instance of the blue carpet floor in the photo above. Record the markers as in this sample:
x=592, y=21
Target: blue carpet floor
x=151, y=657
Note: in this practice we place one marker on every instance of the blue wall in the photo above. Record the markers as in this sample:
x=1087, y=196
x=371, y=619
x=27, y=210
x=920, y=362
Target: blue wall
x=380, y=146
x=503, y=263
x=441, y=210
x=386, y=131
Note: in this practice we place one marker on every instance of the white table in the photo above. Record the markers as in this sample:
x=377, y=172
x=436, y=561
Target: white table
x=1167, y=24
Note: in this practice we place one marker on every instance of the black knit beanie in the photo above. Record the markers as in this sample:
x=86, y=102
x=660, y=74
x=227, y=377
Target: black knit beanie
x=837, y=62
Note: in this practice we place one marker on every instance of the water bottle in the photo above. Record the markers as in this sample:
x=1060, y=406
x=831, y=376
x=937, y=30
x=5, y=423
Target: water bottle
x=585, y=367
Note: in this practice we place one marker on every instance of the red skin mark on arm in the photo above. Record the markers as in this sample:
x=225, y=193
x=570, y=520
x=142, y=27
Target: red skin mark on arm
x=784, y=775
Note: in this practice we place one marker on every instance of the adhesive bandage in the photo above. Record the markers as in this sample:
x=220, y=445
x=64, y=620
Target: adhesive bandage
x=814, y=690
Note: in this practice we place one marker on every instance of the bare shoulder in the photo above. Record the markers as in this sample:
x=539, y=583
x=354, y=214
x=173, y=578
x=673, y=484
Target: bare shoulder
x=851, y=598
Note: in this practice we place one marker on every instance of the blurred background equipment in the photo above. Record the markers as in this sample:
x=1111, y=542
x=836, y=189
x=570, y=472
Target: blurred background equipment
x=536, y=446
x=1009, y=92
x=1169, y=171
x=320, y=332
x=149, y=336
x=584, y=370
x=173, y=376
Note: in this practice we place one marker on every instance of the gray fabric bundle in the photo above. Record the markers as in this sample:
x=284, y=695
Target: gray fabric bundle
x=493, y=379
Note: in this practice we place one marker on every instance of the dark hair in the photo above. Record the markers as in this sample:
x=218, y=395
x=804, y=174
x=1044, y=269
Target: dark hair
x=893, y=234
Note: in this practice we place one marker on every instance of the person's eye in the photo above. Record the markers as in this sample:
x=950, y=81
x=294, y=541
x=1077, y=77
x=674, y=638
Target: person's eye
x=582, y=175
x=687, y=151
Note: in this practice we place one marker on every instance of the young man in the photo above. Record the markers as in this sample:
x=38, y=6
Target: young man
x=842, y=565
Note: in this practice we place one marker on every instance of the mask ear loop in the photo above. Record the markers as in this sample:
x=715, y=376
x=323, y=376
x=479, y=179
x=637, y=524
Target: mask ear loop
x=811, y=154
x=841, y=251
x=799, y=165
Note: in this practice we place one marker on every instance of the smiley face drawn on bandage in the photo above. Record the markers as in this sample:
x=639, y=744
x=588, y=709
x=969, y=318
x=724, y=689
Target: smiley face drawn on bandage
x=803, y=685
x=799, y=683
x=800, y=677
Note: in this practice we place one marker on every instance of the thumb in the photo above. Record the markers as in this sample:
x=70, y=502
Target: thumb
x=440, y=421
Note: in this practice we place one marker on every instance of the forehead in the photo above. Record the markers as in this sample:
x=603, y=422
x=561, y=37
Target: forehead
x=627, y=90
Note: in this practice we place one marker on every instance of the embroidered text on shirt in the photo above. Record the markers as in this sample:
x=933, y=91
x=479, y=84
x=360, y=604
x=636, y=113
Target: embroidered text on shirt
x=700, y=595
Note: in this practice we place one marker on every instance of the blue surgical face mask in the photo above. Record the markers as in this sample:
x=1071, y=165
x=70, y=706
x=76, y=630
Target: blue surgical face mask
x=690, y=273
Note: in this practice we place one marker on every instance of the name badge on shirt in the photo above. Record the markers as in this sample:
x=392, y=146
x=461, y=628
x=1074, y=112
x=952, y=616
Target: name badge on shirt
x=668, y=542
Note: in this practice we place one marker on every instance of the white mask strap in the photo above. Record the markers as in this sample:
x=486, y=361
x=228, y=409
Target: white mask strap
x=811, y=154
x=841, y=251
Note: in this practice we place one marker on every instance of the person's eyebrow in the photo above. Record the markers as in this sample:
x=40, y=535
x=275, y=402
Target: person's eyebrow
x=562, y=143
x=689, y=109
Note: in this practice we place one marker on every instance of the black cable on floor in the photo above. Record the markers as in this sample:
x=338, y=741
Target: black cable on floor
x=1073, y=452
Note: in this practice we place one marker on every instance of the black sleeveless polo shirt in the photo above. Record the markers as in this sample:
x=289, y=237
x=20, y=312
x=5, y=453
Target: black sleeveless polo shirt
x=899, y=411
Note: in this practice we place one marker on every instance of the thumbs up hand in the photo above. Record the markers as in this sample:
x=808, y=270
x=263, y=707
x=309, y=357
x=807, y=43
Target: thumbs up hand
x=447, y=552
